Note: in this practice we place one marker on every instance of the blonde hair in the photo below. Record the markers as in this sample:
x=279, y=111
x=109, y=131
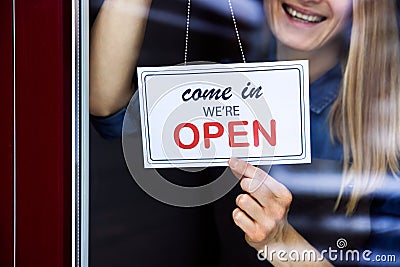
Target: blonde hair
x=366, y=115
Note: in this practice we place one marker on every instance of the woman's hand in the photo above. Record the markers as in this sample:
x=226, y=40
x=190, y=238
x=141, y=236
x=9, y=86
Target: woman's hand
x=262, y=215
x=262, y=212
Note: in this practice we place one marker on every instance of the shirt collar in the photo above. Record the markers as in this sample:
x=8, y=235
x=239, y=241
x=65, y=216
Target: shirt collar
x=325, y=90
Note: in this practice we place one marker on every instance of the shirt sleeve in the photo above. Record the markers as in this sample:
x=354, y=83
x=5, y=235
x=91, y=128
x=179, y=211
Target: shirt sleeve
x=111, y=127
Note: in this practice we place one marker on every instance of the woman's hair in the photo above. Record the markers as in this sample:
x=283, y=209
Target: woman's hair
x=366, y=115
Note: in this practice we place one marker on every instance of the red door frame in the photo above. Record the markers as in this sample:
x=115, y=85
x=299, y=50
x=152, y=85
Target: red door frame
x=43, y=89
x=6, y=134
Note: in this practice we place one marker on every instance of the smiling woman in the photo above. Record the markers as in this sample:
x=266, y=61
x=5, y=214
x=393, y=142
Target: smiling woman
x=355, y=121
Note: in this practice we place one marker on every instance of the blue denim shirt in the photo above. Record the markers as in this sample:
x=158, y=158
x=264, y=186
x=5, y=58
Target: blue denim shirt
x=310, y=215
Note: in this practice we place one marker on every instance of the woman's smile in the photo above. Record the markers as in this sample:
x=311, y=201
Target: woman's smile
x=307, y=25
x=301, y=15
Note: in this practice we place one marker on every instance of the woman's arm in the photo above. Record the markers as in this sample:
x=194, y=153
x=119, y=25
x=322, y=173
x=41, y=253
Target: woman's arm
x=262, y=215
x=115, y=42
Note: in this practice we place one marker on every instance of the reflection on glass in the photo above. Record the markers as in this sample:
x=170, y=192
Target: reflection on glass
x=346, y=200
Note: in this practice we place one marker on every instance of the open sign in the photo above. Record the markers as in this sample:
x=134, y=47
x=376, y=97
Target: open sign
x=271, y=138
x=202, y=115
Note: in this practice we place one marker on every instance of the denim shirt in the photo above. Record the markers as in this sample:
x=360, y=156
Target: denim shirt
x=315, y=186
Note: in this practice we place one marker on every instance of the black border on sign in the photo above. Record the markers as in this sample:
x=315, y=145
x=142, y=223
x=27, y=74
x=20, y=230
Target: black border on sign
x=298, y=157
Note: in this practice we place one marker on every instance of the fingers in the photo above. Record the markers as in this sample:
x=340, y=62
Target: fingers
x=257, y=190
x=256, y=180
x=239, y=167
x=243, y=221
x=261, y=214
x=251, y=207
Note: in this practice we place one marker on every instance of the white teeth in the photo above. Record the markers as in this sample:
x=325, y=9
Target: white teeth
x=304, y=17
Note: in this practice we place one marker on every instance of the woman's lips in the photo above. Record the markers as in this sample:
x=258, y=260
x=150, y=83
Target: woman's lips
x=301, y=15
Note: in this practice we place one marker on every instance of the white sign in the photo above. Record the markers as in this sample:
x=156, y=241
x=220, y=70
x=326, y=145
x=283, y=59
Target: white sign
x=202, y=115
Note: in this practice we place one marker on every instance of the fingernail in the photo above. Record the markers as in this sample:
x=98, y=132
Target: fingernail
x=237, y=198
x=233, y=162
x=234, y=214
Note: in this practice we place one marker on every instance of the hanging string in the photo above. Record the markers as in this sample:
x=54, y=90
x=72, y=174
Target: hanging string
x=236, y=31
x=187, y=31
x=234, y=25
